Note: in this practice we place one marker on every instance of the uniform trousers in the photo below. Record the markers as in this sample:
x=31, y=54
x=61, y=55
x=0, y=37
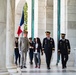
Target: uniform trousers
x=48, y=58
x=64, y=58
x=17, y=55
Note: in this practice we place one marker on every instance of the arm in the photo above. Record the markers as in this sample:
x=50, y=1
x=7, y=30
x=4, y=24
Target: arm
x=41, y=48
x=53, y=48
x=58, y=46
x=15, y=45
x=20, y=43
x=68, y=47
x=43, y=44
x=28, y=44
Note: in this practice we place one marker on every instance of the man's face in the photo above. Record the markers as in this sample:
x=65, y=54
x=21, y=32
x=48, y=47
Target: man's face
x=25, y=34
x=16, y=40
x=63, y=36
x=47, y=35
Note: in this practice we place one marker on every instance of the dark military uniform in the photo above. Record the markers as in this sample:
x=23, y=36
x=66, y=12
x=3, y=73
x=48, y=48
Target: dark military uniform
x=31, y=50
x=64, y=50
x=48, y=45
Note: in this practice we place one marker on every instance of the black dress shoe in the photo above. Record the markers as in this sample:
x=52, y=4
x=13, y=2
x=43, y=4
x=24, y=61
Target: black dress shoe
x=63, y=67
x=48, y=68
x=16, y=63
x=21, y=67
x=25, y=67
x=31, y=63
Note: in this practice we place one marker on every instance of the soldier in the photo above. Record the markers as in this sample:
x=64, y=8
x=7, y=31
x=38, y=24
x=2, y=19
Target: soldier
x=24, y=45
x=16, y=50
x=48, y=47
x=31, y=50
x=64, y=49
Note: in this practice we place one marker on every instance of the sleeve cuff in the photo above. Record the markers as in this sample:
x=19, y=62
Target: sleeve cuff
x=58, y=50
x=68, y=49
x=42, y=48
x=53, y=48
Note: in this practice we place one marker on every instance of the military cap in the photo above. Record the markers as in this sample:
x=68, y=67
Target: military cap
x=47, y=32
x=25, y=31
x=63, y=34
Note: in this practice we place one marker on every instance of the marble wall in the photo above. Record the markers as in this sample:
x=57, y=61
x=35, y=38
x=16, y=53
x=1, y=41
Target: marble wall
x=71, y=26
x=49, y=16
x=43, y=17
x=3, y=7
x=18, y=14
x=40, y=19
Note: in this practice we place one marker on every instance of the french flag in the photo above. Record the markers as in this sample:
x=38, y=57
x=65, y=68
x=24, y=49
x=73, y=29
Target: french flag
x=21, y=23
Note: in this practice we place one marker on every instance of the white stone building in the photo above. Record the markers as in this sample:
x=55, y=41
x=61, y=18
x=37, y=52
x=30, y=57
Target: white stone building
x=57, y=16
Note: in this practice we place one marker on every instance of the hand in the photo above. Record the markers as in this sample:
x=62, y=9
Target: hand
x=14, y=47
x=53, y=51
x=19, y=52
x=69, y=52
x=41, y=53
x=58, y=52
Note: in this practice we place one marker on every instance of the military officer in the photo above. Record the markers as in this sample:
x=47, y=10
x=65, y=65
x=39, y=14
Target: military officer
x=64, y=49
x=24, y=45
x=48, y=47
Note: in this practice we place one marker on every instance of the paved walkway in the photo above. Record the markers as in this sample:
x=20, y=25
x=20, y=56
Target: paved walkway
x=55, y=70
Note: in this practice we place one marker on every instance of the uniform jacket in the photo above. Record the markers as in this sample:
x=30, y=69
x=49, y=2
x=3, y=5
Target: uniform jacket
x=48, y=45
x=64, y=46
x=31, y=46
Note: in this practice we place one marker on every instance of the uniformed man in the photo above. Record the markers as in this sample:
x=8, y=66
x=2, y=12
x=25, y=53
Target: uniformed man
x=49, y=47
x=24, y=45
x=31, y=50
x=64, y=49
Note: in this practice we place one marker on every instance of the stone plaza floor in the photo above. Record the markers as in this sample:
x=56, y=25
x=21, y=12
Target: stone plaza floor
x=55, y=70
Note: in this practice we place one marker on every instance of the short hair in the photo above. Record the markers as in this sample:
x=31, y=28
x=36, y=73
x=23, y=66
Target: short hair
x=16, y=38
x=25, y=31
x=48, y=32
x=30, y=38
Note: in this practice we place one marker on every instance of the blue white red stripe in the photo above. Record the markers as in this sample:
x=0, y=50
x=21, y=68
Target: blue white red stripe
x=21, y=23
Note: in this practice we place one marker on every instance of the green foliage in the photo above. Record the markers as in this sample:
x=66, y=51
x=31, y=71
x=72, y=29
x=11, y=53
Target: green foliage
x=25, y=16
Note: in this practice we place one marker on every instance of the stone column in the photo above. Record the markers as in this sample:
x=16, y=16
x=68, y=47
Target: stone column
x=3, y=7
x=40, y=19
x=71, y=29
x=36, y=18
x=29, y=16
x=55, y=29
x=63, y=16
x=10, y=34
x=49, y=16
